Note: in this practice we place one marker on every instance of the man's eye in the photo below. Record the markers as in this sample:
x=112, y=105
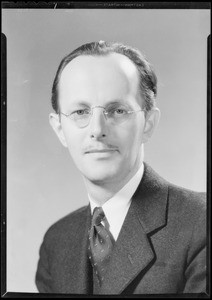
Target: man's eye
x=117, y=112
x=120, y=111
x=81, y=112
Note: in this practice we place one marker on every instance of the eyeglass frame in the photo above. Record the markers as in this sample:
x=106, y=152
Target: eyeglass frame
x=105, y=112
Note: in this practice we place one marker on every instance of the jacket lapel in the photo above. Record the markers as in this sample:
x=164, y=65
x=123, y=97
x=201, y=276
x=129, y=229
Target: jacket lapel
x=133, y=253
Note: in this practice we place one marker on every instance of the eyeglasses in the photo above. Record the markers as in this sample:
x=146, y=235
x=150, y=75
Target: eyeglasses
x=114, y=115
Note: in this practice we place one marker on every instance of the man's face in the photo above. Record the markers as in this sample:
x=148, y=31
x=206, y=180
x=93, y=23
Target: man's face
x=103, y=152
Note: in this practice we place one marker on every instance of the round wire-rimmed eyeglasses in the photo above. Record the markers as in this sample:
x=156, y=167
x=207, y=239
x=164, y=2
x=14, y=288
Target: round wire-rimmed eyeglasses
x=114, y=116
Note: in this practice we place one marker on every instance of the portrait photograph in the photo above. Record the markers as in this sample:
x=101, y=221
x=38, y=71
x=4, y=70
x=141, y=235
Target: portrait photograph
x=105, y=115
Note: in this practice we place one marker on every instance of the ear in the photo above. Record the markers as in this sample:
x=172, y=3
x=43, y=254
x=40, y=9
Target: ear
x=57, y=127
x=152, y=120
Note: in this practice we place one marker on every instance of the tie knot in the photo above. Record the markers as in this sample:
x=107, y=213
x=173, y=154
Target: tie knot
x=98, y=216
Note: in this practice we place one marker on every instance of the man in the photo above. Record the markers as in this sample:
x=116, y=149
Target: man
x=139, y=234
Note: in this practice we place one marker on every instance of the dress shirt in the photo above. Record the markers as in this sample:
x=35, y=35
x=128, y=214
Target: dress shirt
x=116, y=208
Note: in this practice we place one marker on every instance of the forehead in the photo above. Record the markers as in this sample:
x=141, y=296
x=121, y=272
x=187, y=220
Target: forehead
x=98, y=78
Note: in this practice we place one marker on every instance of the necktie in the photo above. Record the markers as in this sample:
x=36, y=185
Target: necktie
x=101, y=243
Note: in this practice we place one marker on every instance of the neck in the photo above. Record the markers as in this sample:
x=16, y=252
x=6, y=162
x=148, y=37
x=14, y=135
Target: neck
x=101, y=192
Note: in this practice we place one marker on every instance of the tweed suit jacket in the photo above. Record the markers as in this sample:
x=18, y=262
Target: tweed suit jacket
x=161, y=248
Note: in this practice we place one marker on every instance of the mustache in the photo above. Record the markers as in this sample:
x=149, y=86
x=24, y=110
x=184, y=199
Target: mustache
x=100, y=148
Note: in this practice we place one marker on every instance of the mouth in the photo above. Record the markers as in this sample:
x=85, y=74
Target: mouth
x=100, y=151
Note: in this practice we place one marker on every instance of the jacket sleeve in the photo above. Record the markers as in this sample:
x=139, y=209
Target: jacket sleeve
x=196, y=270
x=43, y=277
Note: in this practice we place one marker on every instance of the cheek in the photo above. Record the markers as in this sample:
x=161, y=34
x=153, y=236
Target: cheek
x=74, y=141
x=131, y=139
x=73, y=150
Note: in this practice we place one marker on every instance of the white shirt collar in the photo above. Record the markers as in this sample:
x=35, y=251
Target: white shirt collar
x=119, y=202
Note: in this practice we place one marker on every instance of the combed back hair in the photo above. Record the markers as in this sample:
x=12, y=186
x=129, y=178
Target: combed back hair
x=147, y=77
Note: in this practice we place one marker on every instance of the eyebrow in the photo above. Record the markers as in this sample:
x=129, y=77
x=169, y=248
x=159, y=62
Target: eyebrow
x=85, y=103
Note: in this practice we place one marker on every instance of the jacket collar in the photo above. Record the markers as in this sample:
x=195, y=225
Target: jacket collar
x=150, y=200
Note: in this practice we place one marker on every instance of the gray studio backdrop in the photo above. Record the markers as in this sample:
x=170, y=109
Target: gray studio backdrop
x=43, y=184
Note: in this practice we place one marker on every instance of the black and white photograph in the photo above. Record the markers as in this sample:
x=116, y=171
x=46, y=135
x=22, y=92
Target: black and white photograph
x=106, y=150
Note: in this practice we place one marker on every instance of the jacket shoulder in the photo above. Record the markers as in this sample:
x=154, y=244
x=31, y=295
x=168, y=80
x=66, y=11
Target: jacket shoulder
x=68, y=224
x=179, y=198
x=187, y=203
x=196, y=198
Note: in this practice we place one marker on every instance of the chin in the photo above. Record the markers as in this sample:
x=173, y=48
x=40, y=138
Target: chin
x=100, y=176
x=102, y=170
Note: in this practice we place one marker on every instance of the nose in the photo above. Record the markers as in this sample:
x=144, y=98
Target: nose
x=98, y=127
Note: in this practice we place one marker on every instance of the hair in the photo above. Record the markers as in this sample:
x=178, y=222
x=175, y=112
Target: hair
x=147, y=77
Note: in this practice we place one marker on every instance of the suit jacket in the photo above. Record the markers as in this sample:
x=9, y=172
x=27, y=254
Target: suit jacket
x=161, y=248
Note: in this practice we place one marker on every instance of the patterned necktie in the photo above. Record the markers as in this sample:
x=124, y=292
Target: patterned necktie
x=101, y=243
